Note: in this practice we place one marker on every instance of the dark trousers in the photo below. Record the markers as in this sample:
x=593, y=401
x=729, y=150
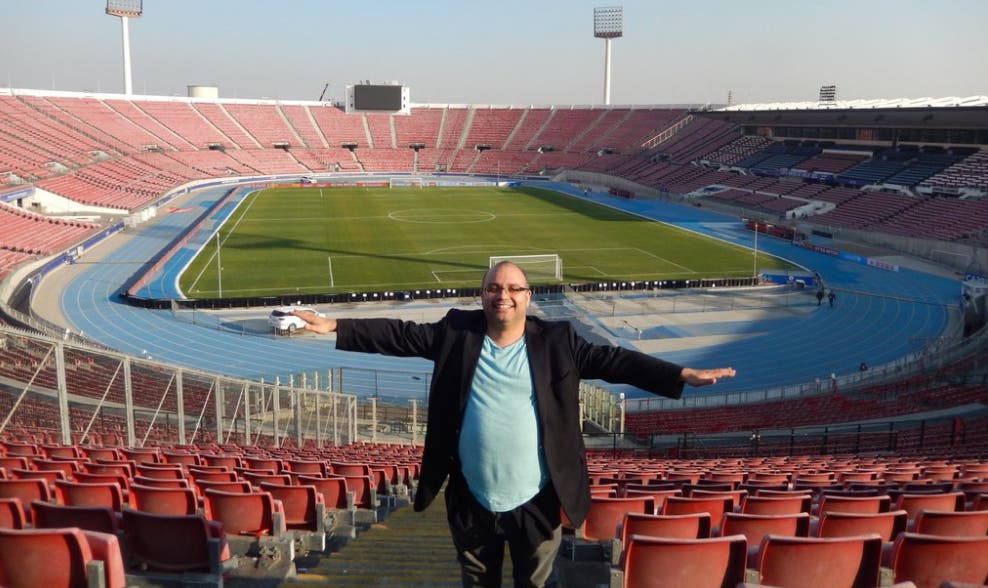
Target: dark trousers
x=532, y=532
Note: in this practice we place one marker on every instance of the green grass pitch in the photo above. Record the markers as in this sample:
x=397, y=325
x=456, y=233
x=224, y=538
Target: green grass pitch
x=332, y=240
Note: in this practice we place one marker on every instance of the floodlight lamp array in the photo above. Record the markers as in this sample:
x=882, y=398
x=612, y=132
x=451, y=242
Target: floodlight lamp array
x=607, y=22
x=125, y=8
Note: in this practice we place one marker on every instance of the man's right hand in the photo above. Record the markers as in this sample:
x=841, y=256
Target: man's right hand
x=316, y=323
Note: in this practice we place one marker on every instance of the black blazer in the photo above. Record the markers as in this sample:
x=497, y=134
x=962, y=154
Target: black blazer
x=559, y=359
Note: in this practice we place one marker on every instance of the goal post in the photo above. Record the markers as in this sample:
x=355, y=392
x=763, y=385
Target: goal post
x=539, y=268
x=405, y=182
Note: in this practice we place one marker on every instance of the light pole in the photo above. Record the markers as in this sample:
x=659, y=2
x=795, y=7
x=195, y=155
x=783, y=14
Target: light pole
x=125, y=9
x=607, y=25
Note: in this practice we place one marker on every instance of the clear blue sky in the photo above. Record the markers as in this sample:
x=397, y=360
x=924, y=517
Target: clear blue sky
x=506, y=52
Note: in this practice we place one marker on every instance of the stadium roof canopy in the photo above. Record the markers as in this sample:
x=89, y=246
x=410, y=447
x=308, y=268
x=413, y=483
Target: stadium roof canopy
x=877, y=103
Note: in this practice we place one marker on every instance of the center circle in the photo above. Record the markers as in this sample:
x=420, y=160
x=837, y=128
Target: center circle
x=433, y=216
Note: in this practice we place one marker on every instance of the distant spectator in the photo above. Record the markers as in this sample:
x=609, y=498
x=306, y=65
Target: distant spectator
x=819, y=297
x=863, y=367
x=831, y=297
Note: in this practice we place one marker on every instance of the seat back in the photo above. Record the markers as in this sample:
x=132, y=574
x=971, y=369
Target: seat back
x=227, y=461
x=217, y=476
x=755, y=527
x=239, y=486
x=776, y=505
x=161, y=482
x=256, y=479
x=242, y=513
x=913, y=503
x=814, y=562
x=169, y=543
x=362, y=487
x=90, y=478
x=887, y=525
x=952, y=523
x=118, y=468
x=27, y=491
x=19, y=462
x=347, y=469
x=863, y=504
x=717, y=562
x=332, y=488
x=658, y=493
x=89, y=494
x=687, y=526
x=102, y=519
x=166, y=473
x=930, y=560
x=308, y=467
x=264, y=463
x=606, y=513
x=299, y=504
x=105, y=453
x=186, y=459
x=49, y=476
x=715, y=506
x=164, y=501
x=69, y=468
x=56, y=558
x=12, y=514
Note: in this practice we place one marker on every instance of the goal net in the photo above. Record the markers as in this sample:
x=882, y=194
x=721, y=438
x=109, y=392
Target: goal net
x=540, y=268
x=405, y=182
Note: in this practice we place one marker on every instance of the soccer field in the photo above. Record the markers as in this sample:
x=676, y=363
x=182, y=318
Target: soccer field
x=332, y=240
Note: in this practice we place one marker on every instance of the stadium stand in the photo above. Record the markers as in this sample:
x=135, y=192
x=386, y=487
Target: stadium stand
x=125, y=153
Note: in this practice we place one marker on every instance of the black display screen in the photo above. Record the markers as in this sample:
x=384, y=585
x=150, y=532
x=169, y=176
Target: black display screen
x=371, y=97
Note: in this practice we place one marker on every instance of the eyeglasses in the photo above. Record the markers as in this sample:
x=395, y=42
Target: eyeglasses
x=495, y=289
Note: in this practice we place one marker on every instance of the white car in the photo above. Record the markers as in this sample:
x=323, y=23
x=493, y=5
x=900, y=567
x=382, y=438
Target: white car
x=284, y=321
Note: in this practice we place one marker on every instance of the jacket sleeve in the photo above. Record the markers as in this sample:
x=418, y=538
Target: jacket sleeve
x=619, y=365
x=387, y=337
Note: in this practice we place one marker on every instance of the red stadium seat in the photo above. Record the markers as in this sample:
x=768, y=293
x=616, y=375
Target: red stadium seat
x=164, y=501
x=174, y=543
x=91, y=518
x=54, y=558
x=83, y=494
x=658, y=562
x=860, y=504
x=771, y=505
x=606, y=514
x=27, y=491
x=886, y=525
x=303, y=506
x=755, y=527
x=952, y=523
x=813, y=562
x=245, y=514
x=12, y=514
x=929, y=560
x=333, y=489
x=688, y=526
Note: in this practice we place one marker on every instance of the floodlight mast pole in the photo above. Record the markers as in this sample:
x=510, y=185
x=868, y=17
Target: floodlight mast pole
x=125, y=10
x=607, y=25
x=128, y=75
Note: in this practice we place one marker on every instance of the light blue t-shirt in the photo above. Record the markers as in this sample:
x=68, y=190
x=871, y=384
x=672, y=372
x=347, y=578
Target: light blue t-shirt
x=500, y=448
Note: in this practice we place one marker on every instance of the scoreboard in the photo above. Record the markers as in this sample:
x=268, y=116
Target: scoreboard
x=377, y=98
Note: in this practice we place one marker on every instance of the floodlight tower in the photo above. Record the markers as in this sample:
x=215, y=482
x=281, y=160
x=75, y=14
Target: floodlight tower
x=125, y=9
x=607, y=25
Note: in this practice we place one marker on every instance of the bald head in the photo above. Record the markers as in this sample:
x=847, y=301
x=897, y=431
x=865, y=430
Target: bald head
x=496, y=268
x=505, y=296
